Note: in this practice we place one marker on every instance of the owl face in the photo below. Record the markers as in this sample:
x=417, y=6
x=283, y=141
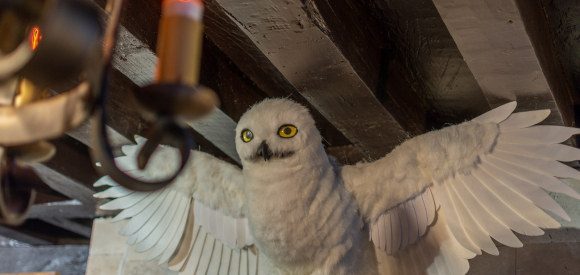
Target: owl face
x=275, y=129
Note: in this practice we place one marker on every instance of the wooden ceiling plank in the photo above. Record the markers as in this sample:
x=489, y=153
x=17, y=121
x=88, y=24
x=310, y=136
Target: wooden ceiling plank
x=422, y=78
x=15, y=234
x=552, y=29
x=71, y=209
x=70, y=171
x=236, y=91
x=137, y=62
x=64, y=185
x=83, y=134
x=141, y=19
x=308, y=59
x=253, y=63
x=69, y=225
x=493, y=41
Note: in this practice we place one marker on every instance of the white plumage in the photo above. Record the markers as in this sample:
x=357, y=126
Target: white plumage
x=428, y=206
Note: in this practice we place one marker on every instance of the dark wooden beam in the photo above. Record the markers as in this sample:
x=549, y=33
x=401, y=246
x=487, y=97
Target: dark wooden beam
x=49, y=195
x=123, y=117
x=13, y=233
x=421, y=78
x=65, y=185
x=254, y=64
x=134, y=60
x=361, y=40
x=72, y=159
x=404, y=54
x=421, y=67
x=69, y=225
x=240, y=79
x=52, y=232
x=297, y=45
x=553, y=30
x=134, y=66
x=67, y=209
x=70, y=172
x=492, y=38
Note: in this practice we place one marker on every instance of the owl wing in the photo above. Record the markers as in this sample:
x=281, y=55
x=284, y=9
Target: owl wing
x=196, y=225
x=487, y=177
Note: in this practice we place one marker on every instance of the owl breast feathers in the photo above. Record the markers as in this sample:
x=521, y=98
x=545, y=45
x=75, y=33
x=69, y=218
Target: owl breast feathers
x=425, y=208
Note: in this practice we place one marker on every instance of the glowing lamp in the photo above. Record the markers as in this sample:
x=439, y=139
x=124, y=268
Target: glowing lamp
x=35, y=37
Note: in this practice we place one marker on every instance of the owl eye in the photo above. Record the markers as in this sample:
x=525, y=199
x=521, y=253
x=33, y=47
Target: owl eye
x=247, y=135
x=287, y=131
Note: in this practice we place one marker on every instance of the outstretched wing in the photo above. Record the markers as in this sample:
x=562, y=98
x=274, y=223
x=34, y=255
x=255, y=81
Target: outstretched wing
x=487, y=175
x=196, y=224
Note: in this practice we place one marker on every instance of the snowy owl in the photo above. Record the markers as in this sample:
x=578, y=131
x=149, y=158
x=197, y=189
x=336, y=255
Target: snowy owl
x=425, y=208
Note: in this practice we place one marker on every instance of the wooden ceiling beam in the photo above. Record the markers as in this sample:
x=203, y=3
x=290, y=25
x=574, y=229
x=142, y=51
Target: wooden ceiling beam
x=239, y=84
x=70, y=172
x=136, y=62
x=253, y=63
x=492, y=38
x=40, y=232
x=405, y=56
x=422, y=86
x=553, y=31
x=422, y=73
x=16, y=234
x=69, y=225
x=295, y=42
x=71, y=209
x=65, y=185
x=258, y=53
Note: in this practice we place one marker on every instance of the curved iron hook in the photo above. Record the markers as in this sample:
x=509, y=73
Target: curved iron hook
x=165, y=127
x=16, y=199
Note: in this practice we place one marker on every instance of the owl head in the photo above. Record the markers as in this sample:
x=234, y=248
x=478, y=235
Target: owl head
x=276, y=130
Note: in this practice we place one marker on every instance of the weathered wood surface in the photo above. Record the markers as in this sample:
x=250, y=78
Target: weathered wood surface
x=13, y=233
x=306, y=56
x=553, y=28
x=439, y=90
x=252, y=62
x=220, y=16
x=70, y=172
x=217, y=127
x=70, y=209
x=433, y=89
x=404, y=54
x=69, y=225
x=65, y=185
x=134, y=65
x=422, y=65
x=237, y=92
x=492, y=38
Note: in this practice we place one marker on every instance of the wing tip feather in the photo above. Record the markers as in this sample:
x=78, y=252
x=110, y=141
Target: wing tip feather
x=497, y=114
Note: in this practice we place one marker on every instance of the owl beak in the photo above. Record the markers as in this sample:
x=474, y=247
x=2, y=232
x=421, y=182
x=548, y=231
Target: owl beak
x=266, y=151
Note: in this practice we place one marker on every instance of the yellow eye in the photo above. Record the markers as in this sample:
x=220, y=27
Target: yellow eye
x=287, y=131
x=247, y=135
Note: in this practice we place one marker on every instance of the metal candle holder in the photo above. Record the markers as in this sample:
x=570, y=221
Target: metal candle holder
x=175, y=95
x=46, y=55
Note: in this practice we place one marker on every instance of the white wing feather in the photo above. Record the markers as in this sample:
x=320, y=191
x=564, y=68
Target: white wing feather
x=500, y=191
x=168, y=222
